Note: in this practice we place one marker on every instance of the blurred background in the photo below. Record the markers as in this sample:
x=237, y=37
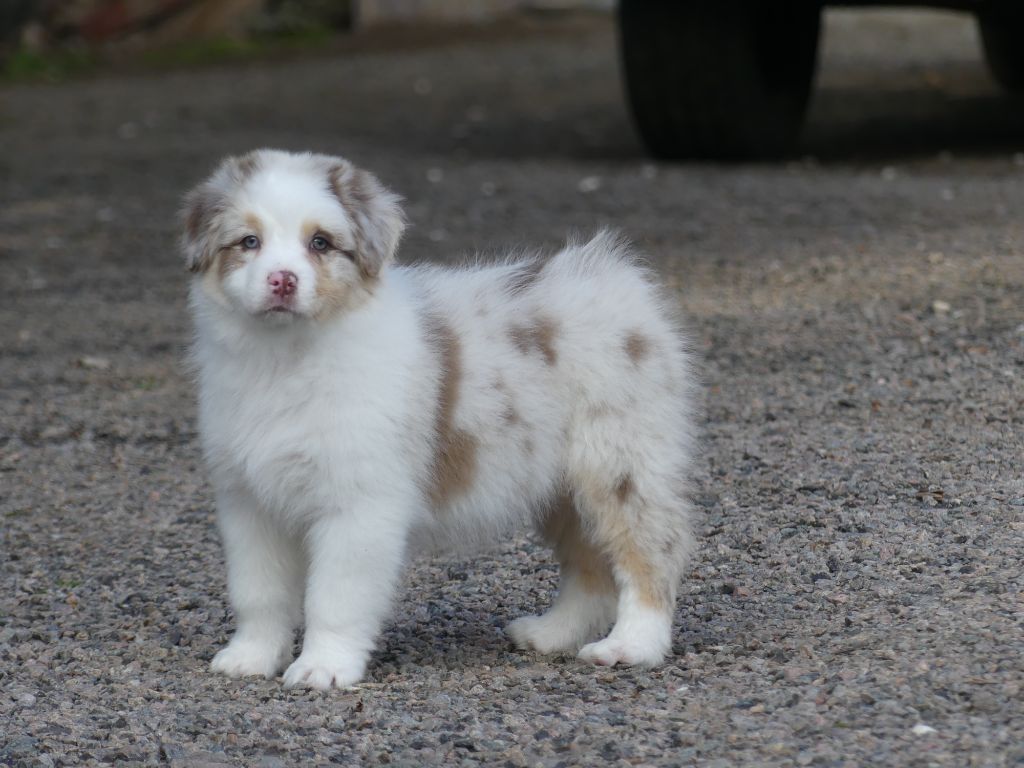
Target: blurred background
x=833, y=197
x=699, y=80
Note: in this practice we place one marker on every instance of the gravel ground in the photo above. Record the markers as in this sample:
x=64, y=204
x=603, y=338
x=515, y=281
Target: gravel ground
x=857, y=596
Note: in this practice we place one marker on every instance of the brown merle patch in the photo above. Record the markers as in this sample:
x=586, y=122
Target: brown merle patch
x=563, y=530
x=511, y=416
x=538, y=336
x=625, y=488
x=637, y=347
x=455, y=455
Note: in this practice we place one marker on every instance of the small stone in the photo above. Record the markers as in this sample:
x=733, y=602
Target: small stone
x=793, y=674
x=922, y=730
x=94, y=363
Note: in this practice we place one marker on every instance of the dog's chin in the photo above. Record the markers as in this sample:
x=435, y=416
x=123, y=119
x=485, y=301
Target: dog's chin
x=279, y=315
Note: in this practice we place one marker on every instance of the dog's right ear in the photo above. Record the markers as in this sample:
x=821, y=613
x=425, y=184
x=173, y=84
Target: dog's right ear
x=202, y=206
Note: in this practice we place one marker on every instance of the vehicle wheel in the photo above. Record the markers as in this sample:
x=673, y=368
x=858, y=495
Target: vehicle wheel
x=719, y=79
x=1000, y=35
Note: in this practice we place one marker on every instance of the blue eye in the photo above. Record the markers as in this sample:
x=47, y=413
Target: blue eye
x=250, y=242
x=319, y=243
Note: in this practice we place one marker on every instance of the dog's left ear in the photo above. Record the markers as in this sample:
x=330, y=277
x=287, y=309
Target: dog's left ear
x=375, y=212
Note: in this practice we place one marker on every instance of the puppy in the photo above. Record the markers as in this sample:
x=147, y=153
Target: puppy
x=353, y=412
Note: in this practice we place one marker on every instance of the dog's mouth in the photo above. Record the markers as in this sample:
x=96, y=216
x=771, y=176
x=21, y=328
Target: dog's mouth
x=279, y=313
x=279, y=306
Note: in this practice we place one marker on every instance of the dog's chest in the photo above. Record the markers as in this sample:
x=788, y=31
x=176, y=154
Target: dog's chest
x=285, y=439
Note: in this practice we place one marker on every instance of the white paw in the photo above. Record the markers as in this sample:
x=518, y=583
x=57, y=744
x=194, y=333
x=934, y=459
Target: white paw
x=612, y=651
x=244, y=657
x=323, y=669
x=543, y=634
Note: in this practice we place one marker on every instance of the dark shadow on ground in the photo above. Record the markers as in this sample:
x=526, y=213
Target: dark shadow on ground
x=857, y=124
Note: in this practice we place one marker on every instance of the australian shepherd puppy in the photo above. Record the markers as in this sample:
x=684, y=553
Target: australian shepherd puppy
x=353, y=411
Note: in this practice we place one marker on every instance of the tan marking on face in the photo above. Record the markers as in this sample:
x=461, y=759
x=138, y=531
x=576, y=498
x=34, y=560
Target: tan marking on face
x=228, y=260
x=309, y=229
x=525, y=277
x=455, y=455
x=337, y=289
x=538, y=336
x=637, y=347
x=336, y=239
x=332, y=294
x=624, y=488
x=563, y=531
x=254, y=225
x=233, y=256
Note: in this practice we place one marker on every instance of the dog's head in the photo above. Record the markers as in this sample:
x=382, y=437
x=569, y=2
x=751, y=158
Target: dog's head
x=280, y=236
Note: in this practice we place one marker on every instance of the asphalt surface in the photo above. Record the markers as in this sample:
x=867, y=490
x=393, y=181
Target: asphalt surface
x=856, y=599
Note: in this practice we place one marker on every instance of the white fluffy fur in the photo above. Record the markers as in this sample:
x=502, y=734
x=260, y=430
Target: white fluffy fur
x=324, y=430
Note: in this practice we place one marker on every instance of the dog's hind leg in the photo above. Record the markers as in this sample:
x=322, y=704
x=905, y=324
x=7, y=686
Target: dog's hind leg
x=585, y=605
x=627, y=478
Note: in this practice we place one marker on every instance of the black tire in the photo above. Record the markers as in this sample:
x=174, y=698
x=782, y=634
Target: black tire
x=719, y=79
x=1001, y=30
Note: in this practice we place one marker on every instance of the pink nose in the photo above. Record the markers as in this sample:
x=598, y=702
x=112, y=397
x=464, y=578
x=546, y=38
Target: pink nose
x=282, y=283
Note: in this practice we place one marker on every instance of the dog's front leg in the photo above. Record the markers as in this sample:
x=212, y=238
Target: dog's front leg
x=355, y=559
x=265, y=587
